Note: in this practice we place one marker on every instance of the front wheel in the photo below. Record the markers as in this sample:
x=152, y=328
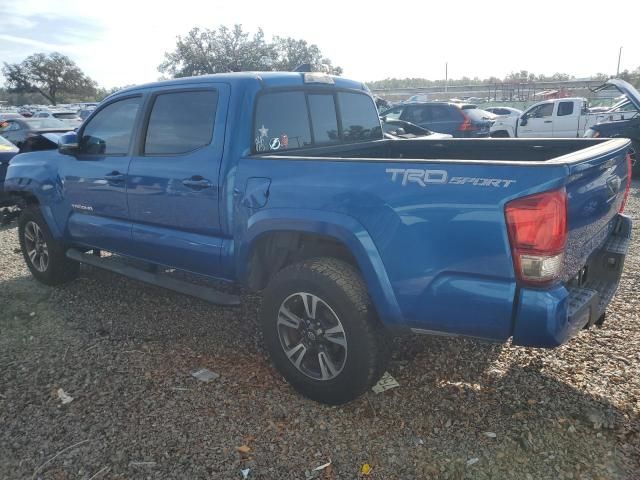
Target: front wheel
x=500, y=134
x=321, y=330
x=43, y=254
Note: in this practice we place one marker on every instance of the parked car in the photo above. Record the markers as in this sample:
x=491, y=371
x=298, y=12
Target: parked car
x=400, y=129
x=504, y=111
x=283, y=182
x=8, y=115
x=420, y=97
x=85, y=112
x=7, y=151
x=456, y=119
x=69, y=118
x=18, y=130
x=627, y=127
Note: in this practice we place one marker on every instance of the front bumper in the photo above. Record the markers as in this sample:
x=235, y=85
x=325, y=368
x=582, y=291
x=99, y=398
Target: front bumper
x=550, y=317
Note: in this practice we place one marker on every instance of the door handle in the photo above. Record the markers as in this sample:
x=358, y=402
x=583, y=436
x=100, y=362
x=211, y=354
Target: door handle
x=114, y=177
x=548, y=121
x=197, y=182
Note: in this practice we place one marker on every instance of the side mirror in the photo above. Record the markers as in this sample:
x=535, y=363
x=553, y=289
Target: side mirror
x=524, y=119
x=68, y=143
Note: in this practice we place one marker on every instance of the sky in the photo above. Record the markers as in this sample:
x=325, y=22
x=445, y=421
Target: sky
x=120, y=43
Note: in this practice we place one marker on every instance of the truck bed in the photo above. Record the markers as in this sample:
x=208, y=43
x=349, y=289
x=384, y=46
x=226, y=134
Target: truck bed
x=502, y=150
x=434, y=214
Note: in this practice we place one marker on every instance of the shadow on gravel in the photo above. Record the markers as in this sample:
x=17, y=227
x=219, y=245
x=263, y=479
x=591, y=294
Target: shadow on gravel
x=458, y=399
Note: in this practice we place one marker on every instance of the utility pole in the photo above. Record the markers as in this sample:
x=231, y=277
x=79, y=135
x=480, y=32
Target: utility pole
x=619, y=55
x=446, y=76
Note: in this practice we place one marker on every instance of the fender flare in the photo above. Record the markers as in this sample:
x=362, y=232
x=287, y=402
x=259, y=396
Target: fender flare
x=340, y=227
x=40, y=182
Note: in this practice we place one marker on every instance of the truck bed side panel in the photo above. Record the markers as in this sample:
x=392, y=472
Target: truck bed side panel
x=439, y=229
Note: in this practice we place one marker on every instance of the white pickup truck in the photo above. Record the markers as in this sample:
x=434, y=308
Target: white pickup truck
x=560, y=118
x=563, y=117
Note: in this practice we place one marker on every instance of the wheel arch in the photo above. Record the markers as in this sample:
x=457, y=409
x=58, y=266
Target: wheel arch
x=332, y=234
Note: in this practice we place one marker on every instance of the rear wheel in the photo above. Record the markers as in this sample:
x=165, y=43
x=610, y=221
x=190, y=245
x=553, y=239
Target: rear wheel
x=44, y=255
x=321, y=330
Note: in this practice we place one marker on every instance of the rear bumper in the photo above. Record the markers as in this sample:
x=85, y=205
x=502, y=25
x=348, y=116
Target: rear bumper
x=550, y=317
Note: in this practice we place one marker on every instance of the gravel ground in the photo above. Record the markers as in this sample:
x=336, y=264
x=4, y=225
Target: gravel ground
x=124, y=352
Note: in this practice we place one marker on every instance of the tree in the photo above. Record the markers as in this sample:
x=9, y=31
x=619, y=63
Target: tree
x=233, y=50
x=290, y=53
x=50, y=75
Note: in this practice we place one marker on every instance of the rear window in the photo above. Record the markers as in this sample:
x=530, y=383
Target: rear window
x=298, y=119
x=324, y=118
x=443, y=113
x=281, y=122
x=360, y=119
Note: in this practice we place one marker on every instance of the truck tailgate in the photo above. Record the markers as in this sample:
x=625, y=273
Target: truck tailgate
x=598, y=239
x=595, y=192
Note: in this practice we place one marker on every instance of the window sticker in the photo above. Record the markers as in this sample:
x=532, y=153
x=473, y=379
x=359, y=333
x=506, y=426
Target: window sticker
x=261, y=146
x=274, y=143
x=284, y=141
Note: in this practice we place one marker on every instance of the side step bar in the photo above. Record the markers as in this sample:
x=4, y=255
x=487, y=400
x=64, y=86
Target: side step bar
x=204, y=293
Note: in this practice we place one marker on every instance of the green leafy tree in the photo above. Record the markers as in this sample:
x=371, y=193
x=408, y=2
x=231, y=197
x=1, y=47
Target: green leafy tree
x=53, y=76
x=226, y=49
x=289, y=53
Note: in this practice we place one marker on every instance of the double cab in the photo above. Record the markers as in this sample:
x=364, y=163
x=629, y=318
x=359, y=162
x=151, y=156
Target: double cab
x=284, y=183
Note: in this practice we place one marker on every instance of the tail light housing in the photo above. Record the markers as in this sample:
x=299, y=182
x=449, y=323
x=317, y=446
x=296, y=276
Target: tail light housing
x=466, y=125
x=537, y=226
x=628, y=186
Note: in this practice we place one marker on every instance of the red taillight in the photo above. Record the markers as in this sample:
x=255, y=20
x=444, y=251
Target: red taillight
x=466, y=125
x=537, y=227
x=628, y=187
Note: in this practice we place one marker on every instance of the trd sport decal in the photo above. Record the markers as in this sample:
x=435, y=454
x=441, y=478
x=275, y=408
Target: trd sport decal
x=439, y=177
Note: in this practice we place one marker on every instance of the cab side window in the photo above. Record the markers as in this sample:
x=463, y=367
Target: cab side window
x=544, y=110
x=109, y=132
x=181, y=122
x=565, y=108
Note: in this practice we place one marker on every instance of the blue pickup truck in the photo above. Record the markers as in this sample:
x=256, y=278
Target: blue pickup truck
x=284, y=183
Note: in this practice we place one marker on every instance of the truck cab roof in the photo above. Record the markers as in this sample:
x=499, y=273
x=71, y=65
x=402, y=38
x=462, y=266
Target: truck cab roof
x=265, y=79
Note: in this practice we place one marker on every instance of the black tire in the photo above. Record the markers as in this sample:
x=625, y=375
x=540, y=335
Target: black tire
x=500, y=134
x=341, y=291
x=58, y=268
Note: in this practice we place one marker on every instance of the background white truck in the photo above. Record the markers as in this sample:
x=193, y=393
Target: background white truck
x=560, y=118
x=563, y=118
